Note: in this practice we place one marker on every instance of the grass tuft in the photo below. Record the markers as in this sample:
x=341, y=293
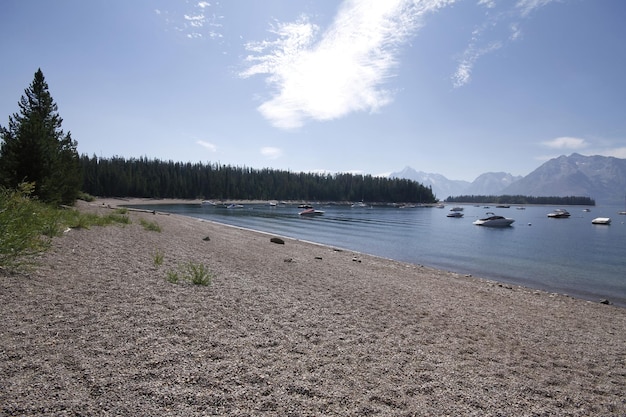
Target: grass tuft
x=158, y=258
x=150, y=226
x=173, y=277
x=197, y=274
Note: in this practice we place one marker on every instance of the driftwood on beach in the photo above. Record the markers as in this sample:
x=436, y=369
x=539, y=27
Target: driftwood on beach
x=98, y=329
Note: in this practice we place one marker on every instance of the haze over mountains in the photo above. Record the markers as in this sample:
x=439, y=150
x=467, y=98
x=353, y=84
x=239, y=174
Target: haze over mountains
x=602, y=178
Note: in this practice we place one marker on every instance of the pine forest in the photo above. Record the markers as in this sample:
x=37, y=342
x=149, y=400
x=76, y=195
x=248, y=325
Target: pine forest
x=153, y=178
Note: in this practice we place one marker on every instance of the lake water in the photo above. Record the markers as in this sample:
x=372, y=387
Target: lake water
x=570, y=256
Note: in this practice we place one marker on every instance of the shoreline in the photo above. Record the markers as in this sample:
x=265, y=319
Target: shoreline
x=294, y=328
x=501, y=280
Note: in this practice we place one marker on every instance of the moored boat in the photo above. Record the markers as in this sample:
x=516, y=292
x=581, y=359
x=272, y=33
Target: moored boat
x=311, y=212
x=493, y=220
x=601, y=220
x=454, y=214
x=559, y=214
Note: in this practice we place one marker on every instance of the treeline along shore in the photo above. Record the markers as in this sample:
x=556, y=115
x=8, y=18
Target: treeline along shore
x=154, y=178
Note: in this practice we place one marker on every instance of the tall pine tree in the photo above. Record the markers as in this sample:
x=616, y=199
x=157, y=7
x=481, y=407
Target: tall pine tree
x=35, y=149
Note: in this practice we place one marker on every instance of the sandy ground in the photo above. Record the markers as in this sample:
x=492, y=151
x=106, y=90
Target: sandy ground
x=291, y=329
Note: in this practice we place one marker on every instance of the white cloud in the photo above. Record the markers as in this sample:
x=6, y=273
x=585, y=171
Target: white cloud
x=463, y=72
x=271, y=152
x=485, y=38
x=490, y=4
x=528, y=6
x=516, y=32
x=566, y=142
x=196, y=23
x=324, y=76
x=207, y=145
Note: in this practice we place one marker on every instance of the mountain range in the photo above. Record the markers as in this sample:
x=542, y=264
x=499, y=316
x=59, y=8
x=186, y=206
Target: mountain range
x=602, y=178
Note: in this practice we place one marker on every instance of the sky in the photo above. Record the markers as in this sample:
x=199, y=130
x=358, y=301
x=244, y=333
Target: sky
x=453, y=87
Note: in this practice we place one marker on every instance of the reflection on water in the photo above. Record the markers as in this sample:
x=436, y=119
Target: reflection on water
x=563, y=255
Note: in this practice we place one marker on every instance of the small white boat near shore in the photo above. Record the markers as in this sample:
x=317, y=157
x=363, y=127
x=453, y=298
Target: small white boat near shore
x=601, y=220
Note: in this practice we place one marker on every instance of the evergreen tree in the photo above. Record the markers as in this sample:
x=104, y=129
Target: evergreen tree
x=35, y=149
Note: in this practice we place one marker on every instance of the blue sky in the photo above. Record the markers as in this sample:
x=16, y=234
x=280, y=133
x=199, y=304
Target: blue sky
x=457, y=88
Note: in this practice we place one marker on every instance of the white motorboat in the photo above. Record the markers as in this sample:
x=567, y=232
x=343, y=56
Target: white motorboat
x=559, y=214
x=493, y=220
x=601, y=220
x=457, y=208
x=454, y=214
x=311, y=212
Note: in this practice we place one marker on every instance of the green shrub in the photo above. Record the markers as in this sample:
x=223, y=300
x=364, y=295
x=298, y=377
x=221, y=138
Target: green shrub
x=151, y=226
x=86, y=197
x=26, y=226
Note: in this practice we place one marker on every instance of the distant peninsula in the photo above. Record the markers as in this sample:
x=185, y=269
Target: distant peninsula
x=522, y=199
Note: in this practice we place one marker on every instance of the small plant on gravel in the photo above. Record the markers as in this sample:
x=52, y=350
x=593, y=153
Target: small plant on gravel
x=172, y=276
x=121, y=210
x=197, y=274
x=158, y=258
x=151, y=226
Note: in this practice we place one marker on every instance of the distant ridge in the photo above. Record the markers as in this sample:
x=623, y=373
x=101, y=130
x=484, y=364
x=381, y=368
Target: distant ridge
x=490, y=183
x=602, y=178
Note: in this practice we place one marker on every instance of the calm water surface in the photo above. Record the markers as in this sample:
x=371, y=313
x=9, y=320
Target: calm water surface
x=570, y=256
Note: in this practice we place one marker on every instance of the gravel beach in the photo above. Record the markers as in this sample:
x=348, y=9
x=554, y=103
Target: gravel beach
x=291, y=329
